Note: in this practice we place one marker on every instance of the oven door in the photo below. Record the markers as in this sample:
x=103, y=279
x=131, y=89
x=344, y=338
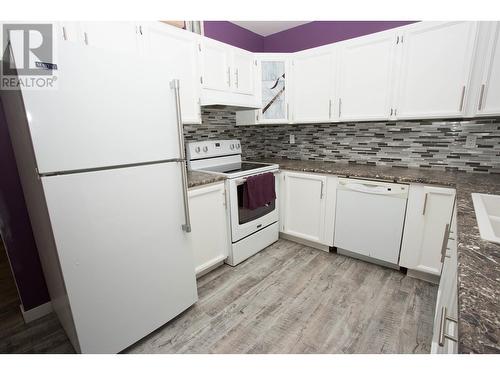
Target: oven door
x=244, y=221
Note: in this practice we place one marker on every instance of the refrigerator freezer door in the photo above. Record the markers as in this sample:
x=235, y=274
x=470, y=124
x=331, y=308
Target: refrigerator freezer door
x=124, y=257
x=110, y=108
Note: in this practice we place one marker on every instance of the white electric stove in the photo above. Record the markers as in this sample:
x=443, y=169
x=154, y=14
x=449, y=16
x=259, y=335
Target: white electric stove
x=251, y=230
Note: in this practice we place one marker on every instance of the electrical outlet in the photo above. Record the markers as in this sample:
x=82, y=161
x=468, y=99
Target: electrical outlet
x=470, y=141
x=292, y=139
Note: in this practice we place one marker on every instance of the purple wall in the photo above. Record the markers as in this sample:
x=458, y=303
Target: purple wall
x=318, y=33
x=15, y=228
x=234, y=35
x=309, y=35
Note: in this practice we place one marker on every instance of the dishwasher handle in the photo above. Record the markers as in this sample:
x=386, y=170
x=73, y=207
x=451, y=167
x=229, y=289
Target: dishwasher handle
x=370, y=189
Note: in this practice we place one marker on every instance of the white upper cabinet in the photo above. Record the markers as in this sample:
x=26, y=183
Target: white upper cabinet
x=435, y=71
x=176, y=50
x=427, y=226
x=272, y=77
x=229, y=75
x=215, y=65
x=313, y=85
x=117, y=36
x=489, y=95
x=244, y=65
x=366, y=77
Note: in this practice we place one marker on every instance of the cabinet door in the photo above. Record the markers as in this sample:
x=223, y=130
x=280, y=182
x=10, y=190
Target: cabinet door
x=447, y=297
x=489, y=97
x=177, y=51
x=209, y=232
x=428, y=216
x=244, y=72
x=366, y=77
x=215, y=65
x=116, y=36
x=313, y=86
x=435, y=69
x=304, y=205
x=275, y=107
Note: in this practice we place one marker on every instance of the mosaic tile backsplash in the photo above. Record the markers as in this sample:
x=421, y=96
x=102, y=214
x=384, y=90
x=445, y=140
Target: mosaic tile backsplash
x=419, y=144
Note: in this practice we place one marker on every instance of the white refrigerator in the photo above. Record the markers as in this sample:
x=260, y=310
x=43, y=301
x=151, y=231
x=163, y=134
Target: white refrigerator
x=101, y=161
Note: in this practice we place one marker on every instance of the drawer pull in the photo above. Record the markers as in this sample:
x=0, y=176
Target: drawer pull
x=445, y=242
x=425, y=204
x=462, y=99
x=442, y=334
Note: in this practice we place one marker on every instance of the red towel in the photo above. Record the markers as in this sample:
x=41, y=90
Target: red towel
x=258, y=191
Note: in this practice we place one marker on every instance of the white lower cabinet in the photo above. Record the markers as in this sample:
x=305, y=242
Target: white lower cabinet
x=308, y=206
x=428, y=215
x=209, y=237
x=445, y=332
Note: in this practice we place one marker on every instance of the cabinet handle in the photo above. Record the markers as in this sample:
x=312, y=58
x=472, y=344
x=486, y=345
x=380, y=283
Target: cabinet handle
x=340, y=107
x=462, y=99
x=287, y=111
x=480, y=106
x=229, y=77
x=321, y=194
x=64, y=33
x=425, y=204
x=442, y=325
x=445, y=242
x=237, y=79
x=330, y=109
x=85, y=38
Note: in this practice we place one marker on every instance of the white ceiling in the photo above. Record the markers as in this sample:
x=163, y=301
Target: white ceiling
x=266, y=28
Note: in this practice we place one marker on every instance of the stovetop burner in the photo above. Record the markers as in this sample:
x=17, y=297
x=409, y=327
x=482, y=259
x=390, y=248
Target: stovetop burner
x=236, y=167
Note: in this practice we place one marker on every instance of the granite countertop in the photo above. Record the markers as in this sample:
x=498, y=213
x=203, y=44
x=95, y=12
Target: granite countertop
x=478, y=260
x=197, y=178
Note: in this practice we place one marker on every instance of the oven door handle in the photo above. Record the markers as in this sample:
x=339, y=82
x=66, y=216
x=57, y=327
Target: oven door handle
x=241, y=181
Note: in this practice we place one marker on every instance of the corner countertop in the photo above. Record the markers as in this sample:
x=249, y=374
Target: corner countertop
x=197, y=178
x=478, y=260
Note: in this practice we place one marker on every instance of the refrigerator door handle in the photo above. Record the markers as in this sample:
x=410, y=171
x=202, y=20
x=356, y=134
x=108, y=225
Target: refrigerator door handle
x=174, y=84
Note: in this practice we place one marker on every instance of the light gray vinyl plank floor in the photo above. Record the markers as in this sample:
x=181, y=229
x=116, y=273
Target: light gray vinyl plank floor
x=288, y=298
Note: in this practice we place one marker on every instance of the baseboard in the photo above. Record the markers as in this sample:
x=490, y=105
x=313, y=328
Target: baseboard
x=367, y=259
x=36, y=312
x=312, y=244
x=207, y=267
x=434, y=279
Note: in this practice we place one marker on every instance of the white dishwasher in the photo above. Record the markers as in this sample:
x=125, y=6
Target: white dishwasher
x=369, y=218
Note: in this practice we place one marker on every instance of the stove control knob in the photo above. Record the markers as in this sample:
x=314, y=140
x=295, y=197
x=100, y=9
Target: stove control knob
x=238, y=146
x=197, y=149
x=205, y=149
x=232, y=146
